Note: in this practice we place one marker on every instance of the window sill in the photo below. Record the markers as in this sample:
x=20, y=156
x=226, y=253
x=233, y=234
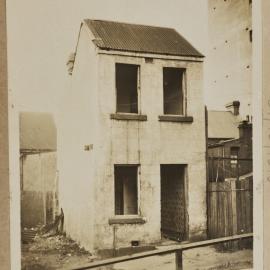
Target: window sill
x=127, y=220
x=176, y=118
x=129, y=116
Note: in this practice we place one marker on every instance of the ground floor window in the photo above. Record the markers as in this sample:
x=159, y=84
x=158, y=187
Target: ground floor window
x=126, y=189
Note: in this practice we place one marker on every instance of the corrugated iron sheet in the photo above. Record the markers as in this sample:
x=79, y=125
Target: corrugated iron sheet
x=140, y=38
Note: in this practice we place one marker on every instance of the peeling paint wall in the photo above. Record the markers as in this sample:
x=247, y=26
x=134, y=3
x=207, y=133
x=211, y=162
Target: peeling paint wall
x=230, y=53
x=87, y=177
x=78, y=128
x=149, y=144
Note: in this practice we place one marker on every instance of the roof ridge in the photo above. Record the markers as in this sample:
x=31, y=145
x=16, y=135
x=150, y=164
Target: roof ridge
x=131, y=23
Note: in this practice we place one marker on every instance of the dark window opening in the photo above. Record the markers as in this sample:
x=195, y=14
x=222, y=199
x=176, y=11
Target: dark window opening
x=126, y=189
x=126, y=88
x=173, y=97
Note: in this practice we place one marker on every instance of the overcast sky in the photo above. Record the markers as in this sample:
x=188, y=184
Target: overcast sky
x=42, y=33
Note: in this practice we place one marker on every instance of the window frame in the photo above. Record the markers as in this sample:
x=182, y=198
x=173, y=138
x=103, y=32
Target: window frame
x=138, y=88
x=124, y=216
x=184, y=90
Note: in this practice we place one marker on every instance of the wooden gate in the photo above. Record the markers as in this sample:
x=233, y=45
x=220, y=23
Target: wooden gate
x=230, y=208
x=173, y=205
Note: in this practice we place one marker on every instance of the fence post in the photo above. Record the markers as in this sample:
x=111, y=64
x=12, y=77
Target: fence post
x=179, y=260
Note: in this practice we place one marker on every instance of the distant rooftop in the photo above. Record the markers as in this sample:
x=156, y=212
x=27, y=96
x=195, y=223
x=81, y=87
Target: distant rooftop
x=37, y=131
x=140, y=38
x=223, y=124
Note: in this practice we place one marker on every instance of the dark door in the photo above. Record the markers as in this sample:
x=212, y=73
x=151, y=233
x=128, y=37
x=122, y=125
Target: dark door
x=173, y=202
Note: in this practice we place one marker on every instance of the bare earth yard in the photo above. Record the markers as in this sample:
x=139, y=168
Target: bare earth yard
x=58, y=252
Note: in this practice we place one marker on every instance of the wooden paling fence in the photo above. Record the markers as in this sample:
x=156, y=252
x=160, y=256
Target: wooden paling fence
x=230, y=208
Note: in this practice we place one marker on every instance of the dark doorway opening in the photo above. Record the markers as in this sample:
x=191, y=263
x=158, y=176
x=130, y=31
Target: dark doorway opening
x=173, y=202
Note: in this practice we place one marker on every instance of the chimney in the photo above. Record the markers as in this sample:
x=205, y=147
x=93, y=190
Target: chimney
x=233, y=107
x=245, y=130
x=70, y=63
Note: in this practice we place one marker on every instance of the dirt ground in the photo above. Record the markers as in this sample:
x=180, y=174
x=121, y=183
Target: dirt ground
x=55, y=252
x=59, y=252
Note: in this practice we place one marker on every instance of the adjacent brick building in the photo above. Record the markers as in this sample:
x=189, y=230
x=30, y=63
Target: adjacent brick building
x=232, y=158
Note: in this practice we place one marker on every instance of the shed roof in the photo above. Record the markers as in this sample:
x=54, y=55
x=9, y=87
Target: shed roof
x=37, y=131
x=140, y=38
x=223, y=124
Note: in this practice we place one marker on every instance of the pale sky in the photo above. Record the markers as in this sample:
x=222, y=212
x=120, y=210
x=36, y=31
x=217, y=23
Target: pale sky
x=42, y=33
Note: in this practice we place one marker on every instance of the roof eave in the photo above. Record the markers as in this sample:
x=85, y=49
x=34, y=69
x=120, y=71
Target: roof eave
x=110, y=51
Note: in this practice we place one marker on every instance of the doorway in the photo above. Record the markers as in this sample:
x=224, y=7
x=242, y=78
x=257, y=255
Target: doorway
x=173, y=201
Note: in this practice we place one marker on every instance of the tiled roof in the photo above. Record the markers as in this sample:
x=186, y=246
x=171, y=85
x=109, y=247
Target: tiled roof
x=37, y=131
x=223, y=124
x=140, y=38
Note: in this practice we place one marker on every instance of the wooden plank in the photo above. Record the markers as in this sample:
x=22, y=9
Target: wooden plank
x=209, y=214
x=218, y=215
x=226, y=224
x=230, y=224
x=251, y=202
x=215, y=218
x=248, y=205
x=243, y=208
x=212, y=224
x=234, y=207
x=165, y=250
x=222, y=214
x=238, y=208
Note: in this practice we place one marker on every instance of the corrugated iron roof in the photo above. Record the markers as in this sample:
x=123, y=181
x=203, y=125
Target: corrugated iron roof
x=140, y=38
x=37, y=131
x=223, y=124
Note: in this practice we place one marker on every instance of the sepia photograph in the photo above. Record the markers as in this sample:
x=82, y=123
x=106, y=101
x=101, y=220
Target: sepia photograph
x=126, y=135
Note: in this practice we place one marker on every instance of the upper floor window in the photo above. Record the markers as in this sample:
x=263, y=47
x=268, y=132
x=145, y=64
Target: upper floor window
x=173, y=90
x=127, y=88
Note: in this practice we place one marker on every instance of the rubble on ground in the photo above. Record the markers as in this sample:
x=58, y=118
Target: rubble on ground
x=60, y=243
